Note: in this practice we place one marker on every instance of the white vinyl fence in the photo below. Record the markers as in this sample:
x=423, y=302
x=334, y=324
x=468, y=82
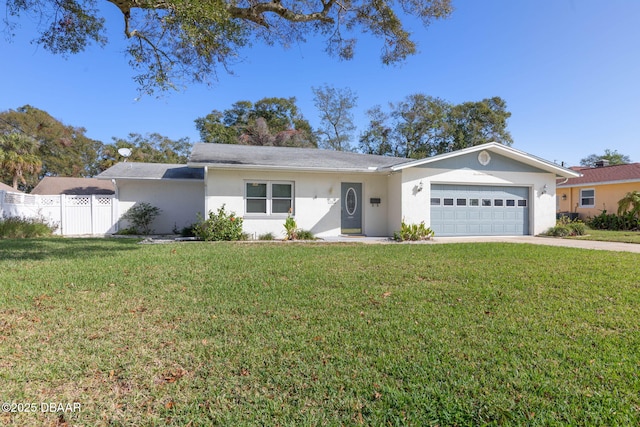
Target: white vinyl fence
x=73, y=215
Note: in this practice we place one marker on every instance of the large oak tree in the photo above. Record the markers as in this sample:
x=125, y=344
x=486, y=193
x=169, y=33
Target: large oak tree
x=63, y=150
x=173, y=41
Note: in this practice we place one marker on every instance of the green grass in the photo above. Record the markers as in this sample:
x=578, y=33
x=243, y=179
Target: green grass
x=610, y=236
x=225, y=334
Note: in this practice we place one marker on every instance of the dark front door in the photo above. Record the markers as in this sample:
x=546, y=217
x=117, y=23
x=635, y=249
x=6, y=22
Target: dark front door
x=351, y=204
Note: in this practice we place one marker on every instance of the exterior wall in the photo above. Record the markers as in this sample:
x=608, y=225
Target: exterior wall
x=606, y=198
x=416, y=191
x=179, y=200
x=394, y=207
x=317, y=205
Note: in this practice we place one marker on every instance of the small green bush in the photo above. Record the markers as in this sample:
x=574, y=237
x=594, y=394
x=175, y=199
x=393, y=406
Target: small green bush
x=266, y=236
x=19, y=228
x=558, y=231
x=291, y=228
x=188, y=231
x=305, y=235
x=141, y=216
x=566, y=227
x=413, y=232
x=220, y=226
x=578, y=228
x=606, y=221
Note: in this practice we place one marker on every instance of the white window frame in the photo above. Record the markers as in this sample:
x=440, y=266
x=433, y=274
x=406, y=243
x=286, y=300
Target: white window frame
x=593, y=205
x=269, y=198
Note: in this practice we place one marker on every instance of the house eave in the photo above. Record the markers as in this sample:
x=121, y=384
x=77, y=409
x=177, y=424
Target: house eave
x=592, y=184
x=286, y=168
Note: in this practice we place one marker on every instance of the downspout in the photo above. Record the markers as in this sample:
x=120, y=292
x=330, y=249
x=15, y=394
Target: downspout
x=560, y=183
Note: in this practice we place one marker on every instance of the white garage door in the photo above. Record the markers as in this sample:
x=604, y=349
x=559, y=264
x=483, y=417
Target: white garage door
x=475, y=210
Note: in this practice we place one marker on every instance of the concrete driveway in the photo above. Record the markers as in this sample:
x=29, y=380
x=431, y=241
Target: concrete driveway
x=532, y=240
x=549, y=241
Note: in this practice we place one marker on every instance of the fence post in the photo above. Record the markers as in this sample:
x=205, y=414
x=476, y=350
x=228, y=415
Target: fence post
x=62, y=213
x=92, y=205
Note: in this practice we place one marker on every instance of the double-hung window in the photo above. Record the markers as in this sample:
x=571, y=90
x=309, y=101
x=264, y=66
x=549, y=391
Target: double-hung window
x=268, y=197
x=588, y=198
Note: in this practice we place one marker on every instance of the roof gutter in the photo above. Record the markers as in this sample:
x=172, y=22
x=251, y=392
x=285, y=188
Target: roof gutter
x=370, y=169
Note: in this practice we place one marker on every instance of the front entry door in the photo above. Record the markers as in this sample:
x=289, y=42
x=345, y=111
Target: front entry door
x=351, y=204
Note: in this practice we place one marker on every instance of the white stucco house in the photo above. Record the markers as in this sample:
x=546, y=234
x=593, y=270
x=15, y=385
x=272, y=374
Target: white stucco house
x=489, y=189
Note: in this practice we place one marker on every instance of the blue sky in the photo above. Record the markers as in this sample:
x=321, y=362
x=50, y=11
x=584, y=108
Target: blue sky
x=569, y=71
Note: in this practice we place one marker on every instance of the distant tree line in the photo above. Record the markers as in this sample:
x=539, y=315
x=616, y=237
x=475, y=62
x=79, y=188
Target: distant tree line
x=33, y=144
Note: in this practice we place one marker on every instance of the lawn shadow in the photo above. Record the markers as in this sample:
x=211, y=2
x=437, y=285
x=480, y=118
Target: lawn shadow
x=63, y=248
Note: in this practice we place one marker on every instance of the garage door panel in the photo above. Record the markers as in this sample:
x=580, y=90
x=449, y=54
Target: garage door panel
x=480, y=210
x=461, y=215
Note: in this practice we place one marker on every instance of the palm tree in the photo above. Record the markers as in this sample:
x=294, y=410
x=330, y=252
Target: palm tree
x=19, y=156
x=630, y=202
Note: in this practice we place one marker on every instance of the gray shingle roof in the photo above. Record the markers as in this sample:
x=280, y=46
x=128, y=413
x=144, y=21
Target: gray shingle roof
x=292, y=158
x=133, y=170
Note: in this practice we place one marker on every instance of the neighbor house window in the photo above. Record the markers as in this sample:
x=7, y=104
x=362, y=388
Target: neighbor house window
x=266, y=197
x=587, y=198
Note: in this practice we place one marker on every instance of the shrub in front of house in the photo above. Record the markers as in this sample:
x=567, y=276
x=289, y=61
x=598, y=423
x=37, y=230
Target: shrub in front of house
x=607, y=221
x=220, y=225
x=304, y=235
x=567, y=227
x=293, y=232
x=19, y=228
x=413, y=232
x=140, y=217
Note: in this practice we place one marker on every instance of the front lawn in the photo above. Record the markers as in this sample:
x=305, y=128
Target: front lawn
x=610, y=236
x=198, y=334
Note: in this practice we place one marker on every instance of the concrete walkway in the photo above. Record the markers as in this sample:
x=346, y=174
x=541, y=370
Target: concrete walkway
x=532, y=240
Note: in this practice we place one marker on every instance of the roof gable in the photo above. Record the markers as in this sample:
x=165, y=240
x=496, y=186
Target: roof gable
x=287, y=158
x=606, y=174
x=530, y=161
x=497, y=162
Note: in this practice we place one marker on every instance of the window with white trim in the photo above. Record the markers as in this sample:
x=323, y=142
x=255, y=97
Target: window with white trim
x=268, y=197
x=588, y=198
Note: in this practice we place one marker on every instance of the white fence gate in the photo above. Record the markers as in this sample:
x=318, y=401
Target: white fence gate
x=95, y=214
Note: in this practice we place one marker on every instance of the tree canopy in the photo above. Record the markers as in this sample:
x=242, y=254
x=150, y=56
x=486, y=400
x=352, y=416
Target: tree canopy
x=423, y=126
x=18, y=158
x=63, y=150
x=270, y=121
x=171, y=41
x=336, y=117
x=612, y=156
x=151, y=148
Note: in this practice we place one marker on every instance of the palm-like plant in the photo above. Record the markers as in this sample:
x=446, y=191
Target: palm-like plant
x=19, y=156
x=630, y=202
